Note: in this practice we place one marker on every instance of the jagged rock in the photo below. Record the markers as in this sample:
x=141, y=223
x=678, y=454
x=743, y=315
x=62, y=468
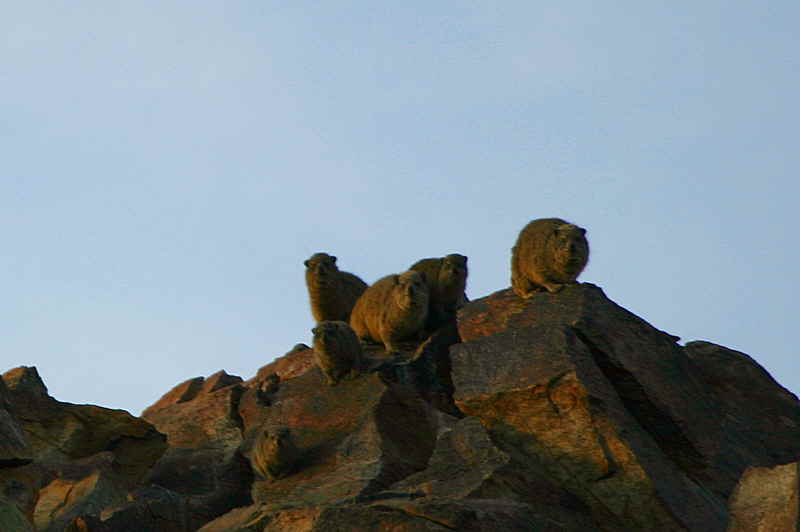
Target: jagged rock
x=85, y=457
x=293, y=364
x=84, y=487
x=183, y=392
x=427, y=371
x=608, y=404
x=469, y=468
x=259, y=518
x=352, y=440
x=562, y=412
x=203, y=434
x=759, y=420
x=60, y=432
x=14, y=449
x=149, y=509
x=477, y=515
x=766, y=499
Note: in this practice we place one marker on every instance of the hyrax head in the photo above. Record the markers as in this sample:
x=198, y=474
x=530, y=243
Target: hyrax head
x=321, y=264
x=327, y=330
x=454, y=266
x=570, y=247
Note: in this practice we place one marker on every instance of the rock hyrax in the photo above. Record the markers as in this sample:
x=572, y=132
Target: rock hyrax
x=337, y=350
x=273, y=454
x=393, y=309
x=332, y=292
x=549, y=254
x=447, y=280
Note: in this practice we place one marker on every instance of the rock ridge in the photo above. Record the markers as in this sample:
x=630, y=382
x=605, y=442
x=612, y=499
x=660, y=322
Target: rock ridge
x=559, y=412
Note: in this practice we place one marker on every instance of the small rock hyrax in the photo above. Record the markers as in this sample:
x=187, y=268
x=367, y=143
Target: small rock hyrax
x=337, y=350
x=273, y=454
x=332, y=292
x=393, y=309
x=447, y=281
x=549, y=254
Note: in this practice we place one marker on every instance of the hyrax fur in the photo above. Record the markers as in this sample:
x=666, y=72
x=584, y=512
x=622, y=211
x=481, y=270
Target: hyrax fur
x=337, y=350
x=393, y=309
x=447, y=281
x=331, y=291
x=549, y=254
x=273, y=454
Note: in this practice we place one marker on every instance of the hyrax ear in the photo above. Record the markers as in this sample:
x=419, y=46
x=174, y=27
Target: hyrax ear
x=333, y=259
x=582, y=230
x=306, y=263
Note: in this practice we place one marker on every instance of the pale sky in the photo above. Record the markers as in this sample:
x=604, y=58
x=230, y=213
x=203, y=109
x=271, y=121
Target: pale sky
x=168, y=166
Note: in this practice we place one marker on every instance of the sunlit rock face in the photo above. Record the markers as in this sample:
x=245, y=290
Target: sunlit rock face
x=560, y=412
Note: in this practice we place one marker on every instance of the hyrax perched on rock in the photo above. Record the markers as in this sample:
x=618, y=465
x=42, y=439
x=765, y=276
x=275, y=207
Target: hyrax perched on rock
x=393, y=309
x=447, y=280
x=273, y=454
x=337, y=350
x=549, y=254
x=332, y=292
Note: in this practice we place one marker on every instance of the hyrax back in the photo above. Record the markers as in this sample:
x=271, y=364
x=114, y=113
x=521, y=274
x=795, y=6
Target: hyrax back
x=337, y=350
x=331, y=291
x=447, y=281
x=273, y=454
x=549, y=254
x=393, y=309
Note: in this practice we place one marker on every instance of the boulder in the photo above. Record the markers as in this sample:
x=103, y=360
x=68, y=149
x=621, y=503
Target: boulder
x=610, y=406
x=146, y=509
x=759, y=420
x=84, y=458
x=353, y=439
x=201, y=420
x=766, y=499
x=61, y=432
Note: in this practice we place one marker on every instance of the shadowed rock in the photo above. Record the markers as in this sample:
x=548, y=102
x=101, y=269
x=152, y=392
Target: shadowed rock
x=605, y=401
x=561, y=412
x=85, y=458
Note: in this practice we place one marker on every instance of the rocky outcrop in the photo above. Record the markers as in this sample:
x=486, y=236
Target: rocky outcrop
x=14, y=448
x=83, y=458
x=561, y=412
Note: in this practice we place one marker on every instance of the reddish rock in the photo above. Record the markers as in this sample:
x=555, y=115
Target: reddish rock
x=468, y=470
x=203, y=462
x=293, y=364
x=766, y=499
x=604, y=401
x=259, y=518
x=60, y=432
x=85, y=458
x=84, y=487
x=353, y=439
x=563, y=412
x=183, y=392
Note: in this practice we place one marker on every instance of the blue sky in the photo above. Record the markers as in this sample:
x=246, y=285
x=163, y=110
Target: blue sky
x=166, y=168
